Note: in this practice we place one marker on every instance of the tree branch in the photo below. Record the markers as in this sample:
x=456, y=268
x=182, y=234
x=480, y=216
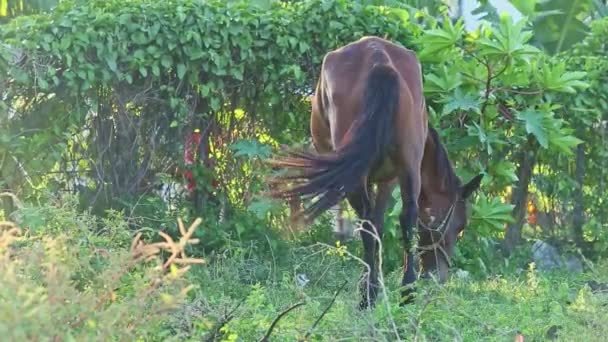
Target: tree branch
x=326, y=310
x=276, y=320
x=227, y=318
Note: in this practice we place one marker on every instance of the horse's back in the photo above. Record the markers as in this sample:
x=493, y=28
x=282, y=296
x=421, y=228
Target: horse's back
x=354, y=61
x=344, y=74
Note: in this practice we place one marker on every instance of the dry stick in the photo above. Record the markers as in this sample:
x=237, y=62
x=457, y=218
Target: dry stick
x=326, y=310
x=417, y=319
x=380, y=276
x=227, y=318
x=380, y=273
x=276, y=320
x=13, y=197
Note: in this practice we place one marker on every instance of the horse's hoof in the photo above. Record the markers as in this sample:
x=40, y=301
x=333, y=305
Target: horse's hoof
x=364, y=304
x=406, y=301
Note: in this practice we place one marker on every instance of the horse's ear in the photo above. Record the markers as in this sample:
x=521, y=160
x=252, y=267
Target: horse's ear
x=469, y=188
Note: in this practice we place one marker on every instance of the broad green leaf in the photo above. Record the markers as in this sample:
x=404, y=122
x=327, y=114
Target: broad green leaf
x=556, y=78
x=437, y=42
x=491, y=213
x=526, y=7
x=111, y=60
x=486, y=137
x=535, y=125
x=250, y=148
x=465, y=102
x=446, y=80
x=181, y=70
x=505, y=170
x=238, y=73
x=155, y=70
x=508, y=41
x=564, y=143
x=558, y=24
x=166, y=61
x=260, y=207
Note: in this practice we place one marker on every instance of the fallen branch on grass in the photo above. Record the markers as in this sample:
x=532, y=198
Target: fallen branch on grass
x=223, y=321
x=139, y=250
x=325, y=311
x=276, y=320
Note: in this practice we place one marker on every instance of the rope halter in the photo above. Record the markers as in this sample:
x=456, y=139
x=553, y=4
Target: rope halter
x=441, y=229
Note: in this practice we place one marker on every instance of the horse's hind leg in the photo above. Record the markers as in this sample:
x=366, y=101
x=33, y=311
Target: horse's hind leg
x=410, y=191
x=369, y=287
x=362, y=205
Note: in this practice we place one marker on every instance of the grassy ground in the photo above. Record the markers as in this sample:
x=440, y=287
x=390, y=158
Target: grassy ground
x=61, y=281
x=539, y=306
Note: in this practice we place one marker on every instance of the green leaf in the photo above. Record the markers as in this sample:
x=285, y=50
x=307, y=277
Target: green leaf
x=111, y=60
x=564, y=143
x=166, y=61
x=526, y=7
x=535, y=125
x=438, y=42
x=505, y=170
x=215, y=104
x=445, y=80
x=260, y=207
x=509, y=40
x=181, y=70
x=238, y=73
x=491, y=213
x=556, y=78
x=205, y=89
x=139, y=54
x=557, y=24
x=466, y=102
x=250, y=148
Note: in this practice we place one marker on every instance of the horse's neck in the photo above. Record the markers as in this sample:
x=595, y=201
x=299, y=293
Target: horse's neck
x=432, y=177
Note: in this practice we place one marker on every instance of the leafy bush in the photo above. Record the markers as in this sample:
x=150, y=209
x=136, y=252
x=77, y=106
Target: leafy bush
x=61, y=286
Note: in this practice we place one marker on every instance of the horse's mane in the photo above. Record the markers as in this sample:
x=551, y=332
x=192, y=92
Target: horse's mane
x=446, y=173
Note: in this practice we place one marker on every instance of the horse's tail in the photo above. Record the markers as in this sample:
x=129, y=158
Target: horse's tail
x=332, y=177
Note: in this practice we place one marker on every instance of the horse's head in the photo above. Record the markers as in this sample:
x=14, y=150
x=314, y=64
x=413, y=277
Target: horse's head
x=442, y=221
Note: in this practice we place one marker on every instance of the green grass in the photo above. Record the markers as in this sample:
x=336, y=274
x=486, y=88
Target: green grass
x=58, y=270
x=491, y=309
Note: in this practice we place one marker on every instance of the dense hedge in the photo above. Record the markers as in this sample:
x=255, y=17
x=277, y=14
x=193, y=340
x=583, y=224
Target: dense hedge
x=143, y=73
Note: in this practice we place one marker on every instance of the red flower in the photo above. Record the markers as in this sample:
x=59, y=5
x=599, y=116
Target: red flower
x=193, y=140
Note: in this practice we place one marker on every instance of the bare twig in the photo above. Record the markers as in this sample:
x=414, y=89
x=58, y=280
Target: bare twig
x=520, y=92
x=8, y=233
x=276, y=320
x=326, y=309
x=146, y=252
x=177, y=249
x=417, y=319
x=376, y=237
x=13, y=197
x=227, y=318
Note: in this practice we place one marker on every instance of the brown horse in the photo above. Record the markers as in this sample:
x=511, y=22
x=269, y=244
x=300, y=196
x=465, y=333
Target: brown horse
x=369, y=126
